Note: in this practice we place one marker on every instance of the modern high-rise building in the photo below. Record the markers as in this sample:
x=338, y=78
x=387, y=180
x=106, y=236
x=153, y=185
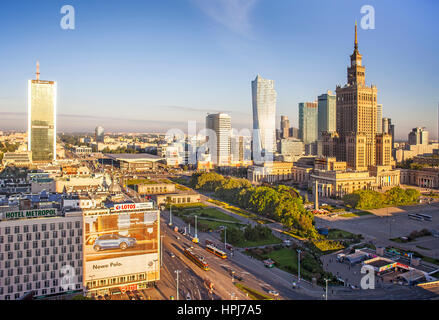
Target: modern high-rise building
x=264, y=117
x=327, y=113
x=357, y=116
x=99, y=134
x=308, y=122
x=42, y=118
x=284, y=127
x=389, y=128
x=379, y=118
x=220, y=124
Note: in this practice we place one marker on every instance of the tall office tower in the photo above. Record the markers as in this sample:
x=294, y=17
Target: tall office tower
x=379, y=118
x=264, y=117
x=99, y=134
x=294, y=132
x=308, y=122
x=386, y=125
x=383, y=149
x=327, y=113
x=356, y=116
x=220, y=123
x=284, y=127
x=42, y=118
x=418, y=136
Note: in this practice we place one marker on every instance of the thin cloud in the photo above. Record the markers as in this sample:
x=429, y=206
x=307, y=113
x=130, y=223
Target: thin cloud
x=233, y=14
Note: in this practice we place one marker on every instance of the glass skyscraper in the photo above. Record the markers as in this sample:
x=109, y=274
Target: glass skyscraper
x=264, y=117
x=308, y=122
x=42, y=119
x=327, y=113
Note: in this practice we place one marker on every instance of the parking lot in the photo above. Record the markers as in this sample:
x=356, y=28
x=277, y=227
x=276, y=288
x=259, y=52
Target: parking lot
x=389, y=223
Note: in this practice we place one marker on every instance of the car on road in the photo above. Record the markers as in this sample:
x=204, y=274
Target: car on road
x=294, y=285
x=107, y=297
x=172, y=255
x=188, y=297
x=273, y=293
x=113, y=241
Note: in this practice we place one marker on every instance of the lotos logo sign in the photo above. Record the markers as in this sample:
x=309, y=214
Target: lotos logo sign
x=133, y=206
x=126, y=206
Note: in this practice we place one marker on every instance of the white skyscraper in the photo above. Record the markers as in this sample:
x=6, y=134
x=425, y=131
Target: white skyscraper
x=220, y=123
x=379, y=118
x=264, y=117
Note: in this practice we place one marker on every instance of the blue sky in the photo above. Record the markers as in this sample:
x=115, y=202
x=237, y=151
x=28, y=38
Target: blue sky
x=151, y=65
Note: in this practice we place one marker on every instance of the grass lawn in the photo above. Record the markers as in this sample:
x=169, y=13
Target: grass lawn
x=286, y=259
x=355, y=214
x=211, y=213
x=271, y=240
x=340, y=234
x=204, y=214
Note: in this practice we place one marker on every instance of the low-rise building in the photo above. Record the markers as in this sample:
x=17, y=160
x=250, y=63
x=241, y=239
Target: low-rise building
x=340, y=183
x=177, y=198
x=424, y=178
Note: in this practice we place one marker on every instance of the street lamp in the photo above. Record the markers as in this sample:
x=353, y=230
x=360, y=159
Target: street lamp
x=161, y=250
x=177, y=272
x=170, y=214
x=225, y=233
x=196, y=235
x=326, y=296
x=298, y=261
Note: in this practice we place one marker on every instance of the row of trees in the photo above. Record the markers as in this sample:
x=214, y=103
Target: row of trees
x=280, y=203
x=370, y=199
x=257, y=233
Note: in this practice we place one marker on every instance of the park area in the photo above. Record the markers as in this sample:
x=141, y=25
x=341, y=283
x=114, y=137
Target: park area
x=207, y=218
x=286, y=259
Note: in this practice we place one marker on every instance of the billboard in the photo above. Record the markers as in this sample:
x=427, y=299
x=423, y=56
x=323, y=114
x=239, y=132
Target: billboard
x=120, y=243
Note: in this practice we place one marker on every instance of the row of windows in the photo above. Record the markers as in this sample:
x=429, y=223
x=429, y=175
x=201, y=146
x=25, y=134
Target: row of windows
x=20, y=288
x=118, y=280
x=41, y=227
x=36, y=266
x=40, y=244
x=53, y=275
x=38, y=236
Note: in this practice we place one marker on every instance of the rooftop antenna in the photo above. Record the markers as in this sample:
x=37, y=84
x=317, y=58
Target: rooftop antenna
x=38, y=71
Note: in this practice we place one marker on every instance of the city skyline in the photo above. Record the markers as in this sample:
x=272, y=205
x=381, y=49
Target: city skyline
x=87, y=97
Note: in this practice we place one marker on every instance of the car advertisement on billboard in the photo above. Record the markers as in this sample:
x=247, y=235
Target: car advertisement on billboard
x=120, y=243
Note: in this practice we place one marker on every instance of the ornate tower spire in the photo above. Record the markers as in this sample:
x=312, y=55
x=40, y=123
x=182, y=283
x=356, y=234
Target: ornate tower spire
x=356, y=37
x=38, y=71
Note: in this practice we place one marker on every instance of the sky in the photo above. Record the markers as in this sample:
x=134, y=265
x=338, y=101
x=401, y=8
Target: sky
x=151, y=65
